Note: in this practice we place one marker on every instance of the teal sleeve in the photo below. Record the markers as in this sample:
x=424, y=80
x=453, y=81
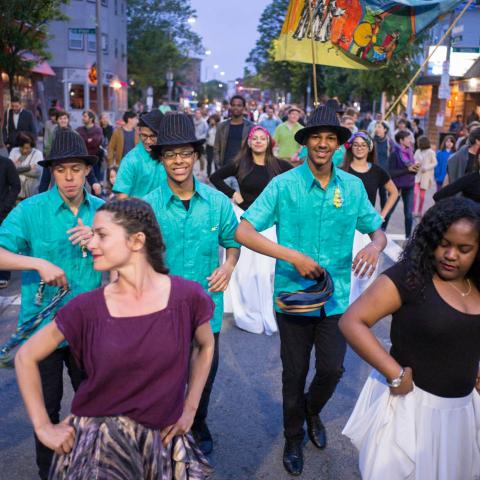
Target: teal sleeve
x=228, y=225
x=338, y=156
x=14, y=231
x=368, y=219
x=125, y=177
x=263, y=213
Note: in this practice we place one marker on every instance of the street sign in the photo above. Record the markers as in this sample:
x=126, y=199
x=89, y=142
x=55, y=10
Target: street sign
x=466, y=49
x=83, y=30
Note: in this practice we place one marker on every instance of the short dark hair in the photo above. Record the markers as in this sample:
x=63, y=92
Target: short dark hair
x=24, y=138
x=90, y=114
x=52, y=112
x=63, y=113
x=474, y=135
x=423, y=143
x=402, y=134
x=238, y=97
x=129, y=114
x=15, y=98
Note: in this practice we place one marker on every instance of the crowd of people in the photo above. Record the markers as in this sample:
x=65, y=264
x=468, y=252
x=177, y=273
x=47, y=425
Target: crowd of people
x=271, y=216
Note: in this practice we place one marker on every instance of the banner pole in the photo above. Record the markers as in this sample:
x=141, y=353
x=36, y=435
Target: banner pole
x=314, y=59
x=419, y=71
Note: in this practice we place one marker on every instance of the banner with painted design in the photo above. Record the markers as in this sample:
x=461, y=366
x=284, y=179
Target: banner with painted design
x=359, y=34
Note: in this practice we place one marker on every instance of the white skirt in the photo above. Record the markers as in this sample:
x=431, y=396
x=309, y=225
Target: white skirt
x=359, y=285
x=250, y=292
x=418, y=436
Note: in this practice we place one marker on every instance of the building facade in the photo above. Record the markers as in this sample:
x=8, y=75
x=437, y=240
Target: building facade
x=72, y=46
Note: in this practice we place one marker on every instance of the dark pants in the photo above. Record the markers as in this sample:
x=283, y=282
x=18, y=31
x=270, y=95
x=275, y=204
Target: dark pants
x=4, y=275
x=407, y=197
x=51, y=374
x=298, y=335
x=209, y=159
x=202, y=411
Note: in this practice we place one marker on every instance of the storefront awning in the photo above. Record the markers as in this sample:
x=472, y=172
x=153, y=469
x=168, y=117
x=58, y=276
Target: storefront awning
x=41, y=67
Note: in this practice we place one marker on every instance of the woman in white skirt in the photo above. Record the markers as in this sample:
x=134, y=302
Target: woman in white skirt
x=251, y=286
x=418, y=415
x=360, y=160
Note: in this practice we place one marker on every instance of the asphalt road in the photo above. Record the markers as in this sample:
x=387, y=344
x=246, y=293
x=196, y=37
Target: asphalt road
x=245, y=412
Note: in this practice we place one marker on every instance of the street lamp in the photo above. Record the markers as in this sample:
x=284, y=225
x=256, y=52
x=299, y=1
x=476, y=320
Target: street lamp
x=216, y=67
x=191, y=20
x=208, y=52
x=222, y=74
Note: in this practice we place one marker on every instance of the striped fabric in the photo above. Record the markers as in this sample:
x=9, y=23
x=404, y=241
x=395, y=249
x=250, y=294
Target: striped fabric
x=176, y=128
x=118, y=448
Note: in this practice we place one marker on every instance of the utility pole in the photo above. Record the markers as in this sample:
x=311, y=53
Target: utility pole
x=98, y=32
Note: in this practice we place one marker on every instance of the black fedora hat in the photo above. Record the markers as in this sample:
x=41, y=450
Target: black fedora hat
x=323, y=117
x=309, y=300
x=151, y=120
x=68, y=145
x=176, y=128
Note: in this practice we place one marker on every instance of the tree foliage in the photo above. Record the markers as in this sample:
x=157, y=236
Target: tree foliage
x=159, y=39
x=23, y=31
x=212, y=90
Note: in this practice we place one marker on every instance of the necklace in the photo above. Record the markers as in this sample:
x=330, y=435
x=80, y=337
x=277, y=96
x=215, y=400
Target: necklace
x=459, y=291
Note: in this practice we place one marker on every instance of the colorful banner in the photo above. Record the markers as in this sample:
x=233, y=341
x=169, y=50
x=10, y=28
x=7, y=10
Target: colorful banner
x=359, y=34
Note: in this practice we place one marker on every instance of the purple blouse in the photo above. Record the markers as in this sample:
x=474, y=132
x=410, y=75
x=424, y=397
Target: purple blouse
x=135, y=366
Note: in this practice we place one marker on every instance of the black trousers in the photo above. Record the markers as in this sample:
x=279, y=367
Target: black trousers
x=5, y=275
x=298, y=335
x=210, y=152
x=202, y=411
x=51, y=374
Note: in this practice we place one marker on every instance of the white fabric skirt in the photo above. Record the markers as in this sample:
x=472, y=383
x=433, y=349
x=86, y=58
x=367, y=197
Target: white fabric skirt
x=359, y=285
x=417, y=436
x=250, y=292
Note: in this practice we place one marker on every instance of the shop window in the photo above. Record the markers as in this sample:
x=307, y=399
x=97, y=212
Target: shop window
x=77, y=96
x=93, y=98
x=92, y=42
x=116, y=48
x=75, y=39
x=105, y=43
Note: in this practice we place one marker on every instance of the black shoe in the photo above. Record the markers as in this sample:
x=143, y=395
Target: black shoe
x=203, y=437
x=316, y=431
x=293, y=457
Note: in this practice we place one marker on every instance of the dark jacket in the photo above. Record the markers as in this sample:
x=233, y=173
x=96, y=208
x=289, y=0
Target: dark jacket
x=457, y=165
x=92, y=137
x=9, y=186
x=402, y=177
x=221, y=138
x=26, y=123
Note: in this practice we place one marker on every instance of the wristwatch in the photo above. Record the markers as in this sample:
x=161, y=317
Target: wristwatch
x=397, y=381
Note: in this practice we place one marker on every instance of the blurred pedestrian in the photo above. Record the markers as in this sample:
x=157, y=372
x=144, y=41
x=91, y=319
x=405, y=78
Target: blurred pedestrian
x=17, y=119
x=457, y=125
x=447, y=149
x=9, y=189
x=463, y=161
x=26, y=159
x=383, y=148
x=50, y=126
x=270, y=122
x=132, y=413
x=417, y=415
x=251, y=288
x=111, y=177
x=107, y=129
x=426, y=159
x=201, y=131
x=124, y=139
x=213, y=121
x=284, y=135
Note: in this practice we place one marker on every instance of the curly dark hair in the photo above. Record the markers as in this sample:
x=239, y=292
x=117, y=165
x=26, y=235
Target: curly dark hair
x=418, y=254
x=135, y=215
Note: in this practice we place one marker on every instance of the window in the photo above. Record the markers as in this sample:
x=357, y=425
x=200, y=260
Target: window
x=115, y=6
x=105, y=43
x=116, y=48
x=75, y=39
x=91, y=42
x=122, y=4
x=77, y=96
x=123, y=52
x=93, y=98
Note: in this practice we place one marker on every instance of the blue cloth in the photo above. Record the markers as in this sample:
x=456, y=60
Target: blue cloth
x=442, y=162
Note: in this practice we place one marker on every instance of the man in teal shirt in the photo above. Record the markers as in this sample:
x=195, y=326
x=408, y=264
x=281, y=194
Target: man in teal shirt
x=316, y=209
x=139, y=173
x=195, y=221
x=45, y=236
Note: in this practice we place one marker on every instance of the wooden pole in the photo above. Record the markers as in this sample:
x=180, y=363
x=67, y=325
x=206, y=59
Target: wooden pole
x=410, y=83
x=314, y=59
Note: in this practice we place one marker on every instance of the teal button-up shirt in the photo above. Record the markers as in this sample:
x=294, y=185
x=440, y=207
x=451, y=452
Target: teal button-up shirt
x=192, y=238
x=307, y=220
x=139, y=174
x=37, y=227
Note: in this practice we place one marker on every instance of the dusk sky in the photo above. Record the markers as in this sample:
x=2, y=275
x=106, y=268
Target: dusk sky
x=229, y=40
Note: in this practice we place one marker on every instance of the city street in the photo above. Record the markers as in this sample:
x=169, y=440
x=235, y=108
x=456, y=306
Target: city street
x=245, y=413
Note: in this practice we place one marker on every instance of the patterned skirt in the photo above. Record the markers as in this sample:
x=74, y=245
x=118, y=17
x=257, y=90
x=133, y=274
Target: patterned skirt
x=118, y=448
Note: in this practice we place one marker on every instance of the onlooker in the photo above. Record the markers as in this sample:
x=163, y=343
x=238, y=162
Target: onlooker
x=210, y=143
x=463, y=161
x=50, y=125
x=371, y=128
x=124, y=139
x=286, y=145
x=111, y=177
x=473, y=117
x=231, y=132
x=383, y=147
x=402, y=169
x=462, y=137
x=270, y=122
x=447, y=148
x=427, y=160
x=107, y=128
x=346, y=121
x=402, y=126
x=9, y=190
x=365, y=121
x=26, y=158
x=457, y=125
x=417, y=131
x=15, y=120
x=201, y=130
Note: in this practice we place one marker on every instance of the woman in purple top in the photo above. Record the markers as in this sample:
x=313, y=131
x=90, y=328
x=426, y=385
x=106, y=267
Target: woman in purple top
x=145, y=344
x=402, y=170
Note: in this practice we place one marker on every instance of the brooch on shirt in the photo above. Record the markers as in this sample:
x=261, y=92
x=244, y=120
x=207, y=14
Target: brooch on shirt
x=215, y=228
x=337, y=198
x=84, y=251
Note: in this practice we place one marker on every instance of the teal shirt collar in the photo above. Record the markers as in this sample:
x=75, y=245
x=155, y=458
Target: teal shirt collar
x=311, y=181
x=58, y=202
x=168, y=195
